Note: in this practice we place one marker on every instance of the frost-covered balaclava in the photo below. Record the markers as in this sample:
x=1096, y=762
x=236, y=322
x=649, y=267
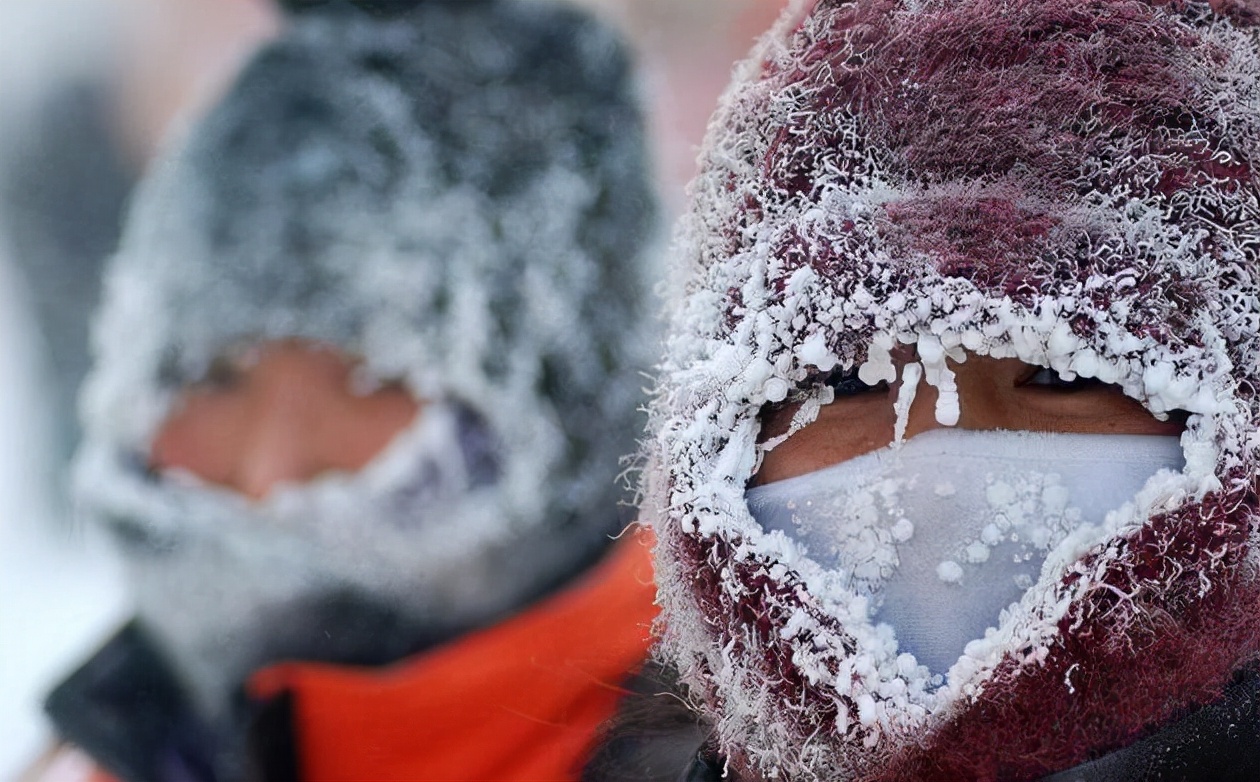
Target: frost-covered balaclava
x=459, y=197
x=1072, y=184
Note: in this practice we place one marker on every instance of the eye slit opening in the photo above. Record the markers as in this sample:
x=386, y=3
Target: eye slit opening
x=847, y=383
x=776, y=417
x=1048, y=379
x=363, y=382
x=224, y=373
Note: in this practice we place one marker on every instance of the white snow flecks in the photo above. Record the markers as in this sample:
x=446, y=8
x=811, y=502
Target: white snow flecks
x=1097, y=315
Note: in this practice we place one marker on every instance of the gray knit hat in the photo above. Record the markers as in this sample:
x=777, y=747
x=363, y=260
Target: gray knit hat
x=459, y=195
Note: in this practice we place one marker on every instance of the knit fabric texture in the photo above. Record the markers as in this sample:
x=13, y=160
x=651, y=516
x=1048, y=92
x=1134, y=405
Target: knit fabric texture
x=460, y=197
x=1072, y=184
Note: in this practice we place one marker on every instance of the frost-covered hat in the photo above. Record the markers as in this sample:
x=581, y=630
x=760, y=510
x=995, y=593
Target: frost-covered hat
x=1072, y=184
x=459, y=196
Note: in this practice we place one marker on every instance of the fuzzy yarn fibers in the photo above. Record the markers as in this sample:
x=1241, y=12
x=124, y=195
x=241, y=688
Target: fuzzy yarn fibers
x=1072, y=184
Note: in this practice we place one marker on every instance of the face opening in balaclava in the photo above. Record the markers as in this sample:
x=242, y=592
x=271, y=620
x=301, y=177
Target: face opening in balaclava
x=1069, y=186
x=457, y=197
x=940, y=532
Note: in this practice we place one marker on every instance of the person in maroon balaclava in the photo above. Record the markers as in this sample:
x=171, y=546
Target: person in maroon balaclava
x=953, y=465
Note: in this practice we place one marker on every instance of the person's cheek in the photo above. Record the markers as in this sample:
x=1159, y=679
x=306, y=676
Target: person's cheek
x=199, y=437
x=843, y=430
x=355, y=432
x=1105, y=410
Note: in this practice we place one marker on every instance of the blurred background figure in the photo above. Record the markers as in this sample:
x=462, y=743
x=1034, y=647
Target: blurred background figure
x=688, y=48
x=91, y=87
x=88, y=89
x=368, y=359
x=115, y=75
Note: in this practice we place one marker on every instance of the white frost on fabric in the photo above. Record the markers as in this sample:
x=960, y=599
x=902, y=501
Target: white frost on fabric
x=386, y=212
x=705, y=417
x=856, y=522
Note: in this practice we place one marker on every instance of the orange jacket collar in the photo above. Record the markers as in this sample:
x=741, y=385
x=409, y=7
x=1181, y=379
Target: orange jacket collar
x=517, y=701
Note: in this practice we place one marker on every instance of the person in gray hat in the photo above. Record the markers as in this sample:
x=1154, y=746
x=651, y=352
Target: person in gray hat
x=365, y=369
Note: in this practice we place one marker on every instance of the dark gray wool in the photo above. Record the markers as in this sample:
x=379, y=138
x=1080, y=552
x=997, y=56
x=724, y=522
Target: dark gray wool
x=459, y=195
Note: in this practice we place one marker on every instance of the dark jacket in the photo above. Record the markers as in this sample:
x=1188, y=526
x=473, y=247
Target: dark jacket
x=657, y=737
x=126, y=710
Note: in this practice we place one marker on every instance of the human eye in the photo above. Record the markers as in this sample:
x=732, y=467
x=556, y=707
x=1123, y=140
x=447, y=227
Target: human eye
x=225, y=373
x=1044, y=377
x=846, y=383
x=362, y=382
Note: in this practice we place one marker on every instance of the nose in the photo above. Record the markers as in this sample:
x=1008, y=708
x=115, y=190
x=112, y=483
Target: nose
x=280, y=442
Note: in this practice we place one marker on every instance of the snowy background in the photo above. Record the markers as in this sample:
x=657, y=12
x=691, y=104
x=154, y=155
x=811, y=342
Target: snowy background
x=60, y=588
x=60, y=591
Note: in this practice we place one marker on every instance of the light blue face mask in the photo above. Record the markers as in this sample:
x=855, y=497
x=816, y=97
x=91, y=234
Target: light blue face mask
x=947, y=529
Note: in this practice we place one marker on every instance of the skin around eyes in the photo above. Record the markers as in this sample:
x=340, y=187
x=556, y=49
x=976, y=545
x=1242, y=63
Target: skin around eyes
x=285, y=413
x=994, y=394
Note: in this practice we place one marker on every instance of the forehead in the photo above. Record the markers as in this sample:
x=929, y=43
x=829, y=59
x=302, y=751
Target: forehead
x=866, y=184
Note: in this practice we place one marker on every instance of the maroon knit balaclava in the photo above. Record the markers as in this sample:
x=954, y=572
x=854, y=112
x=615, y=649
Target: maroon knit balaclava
x=1071, y=183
